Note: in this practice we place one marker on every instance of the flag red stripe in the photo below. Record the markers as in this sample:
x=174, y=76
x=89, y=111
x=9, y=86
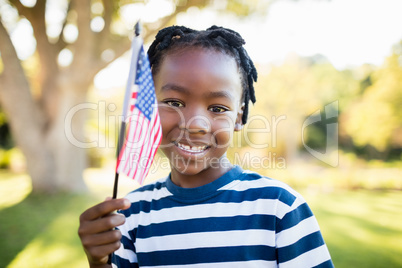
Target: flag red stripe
x=153, y=137
x=149, y=148
x=133, y=139
x=153, y=134
x=144, y=152
x=135, y=150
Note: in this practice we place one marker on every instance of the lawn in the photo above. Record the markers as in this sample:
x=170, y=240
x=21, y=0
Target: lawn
x=362, y=228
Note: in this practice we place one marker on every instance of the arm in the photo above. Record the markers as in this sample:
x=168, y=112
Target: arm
x=97, y=233
x=298, y=239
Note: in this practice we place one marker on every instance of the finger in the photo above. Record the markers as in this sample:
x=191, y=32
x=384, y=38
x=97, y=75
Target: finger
x=104, y=208
x=100, y=239
x=101, y=254
x=101, y=224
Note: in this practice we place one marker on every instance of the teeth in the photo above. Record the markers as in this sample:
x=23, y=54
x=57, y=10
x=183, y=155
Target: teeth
x=192, y=149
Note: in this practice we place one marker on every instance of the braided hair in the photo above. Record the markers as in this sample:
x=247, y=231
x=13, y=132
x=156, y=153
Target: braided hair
x=221, y=39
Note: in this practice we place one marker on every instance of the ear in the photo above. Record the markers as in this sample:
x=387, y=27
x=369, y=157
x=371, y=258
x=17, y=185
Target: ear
x=239, y=121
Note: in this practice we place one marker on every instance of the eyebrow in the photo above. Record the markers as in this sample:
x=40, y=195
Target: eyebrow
x=211, y=95
x=174, y=87
x=220, y=94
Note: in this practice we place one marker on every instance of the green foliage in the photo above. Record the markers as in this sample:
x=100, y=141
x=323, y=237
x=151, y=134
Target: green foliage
x=6, y=141
x=370, y=117
x=12, y=158
x=247, y=8
x=316, y=134
x=298, y=88
x=5, y=159
x=375, y=119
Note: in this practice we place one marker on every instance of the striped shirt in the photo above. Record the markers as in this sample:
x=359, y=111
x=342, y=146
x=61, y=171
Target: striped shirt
x=242, y=219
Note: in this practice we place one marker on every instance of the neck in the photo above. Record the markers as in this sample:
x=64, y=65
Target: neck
x=205, y=176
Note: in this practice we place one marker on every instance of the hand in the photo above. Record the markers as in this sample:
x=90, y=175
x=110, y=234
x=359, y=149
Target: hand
x=97, y=232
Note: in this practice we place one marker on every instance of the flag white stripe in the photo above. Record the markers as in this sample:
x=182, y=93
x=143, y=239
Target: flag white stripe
x=131, y=137
x=142, y=150
x=137, y=132
x=152, y=144
x=151, y=147
x=144, y=153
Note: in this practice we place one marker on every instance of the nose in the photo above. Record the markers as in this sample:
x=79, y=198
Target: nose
x=196, y=123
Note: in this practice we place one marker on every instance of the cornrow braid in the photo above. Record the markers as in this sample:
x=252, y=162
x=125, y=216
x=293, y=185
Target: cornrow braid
x=222, y=39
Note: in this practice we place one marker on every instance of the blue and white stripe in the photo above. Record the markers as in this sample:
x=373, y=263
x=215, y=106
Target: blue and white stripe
x=239, y=220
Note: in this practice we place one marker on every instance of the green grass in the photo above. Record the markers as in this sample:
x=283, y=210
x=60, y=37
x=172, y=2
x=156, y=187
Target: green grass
x=362, y=228
x=39, y=230
x=42, y=231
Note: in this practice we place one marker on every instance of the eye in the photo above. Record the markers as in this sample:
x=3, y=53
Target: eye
x=174, y=103
x=218, y=109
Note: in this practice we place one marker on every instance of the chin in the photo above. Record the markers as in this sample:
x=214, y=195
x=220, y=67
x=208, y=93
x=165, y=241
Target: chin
x=189, y=169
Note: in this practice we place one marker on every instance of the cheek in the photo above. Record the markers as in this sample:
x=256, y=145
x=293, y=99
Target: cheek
x=166, y=124
x=169, y=120
x=223, y=129
x=226, y=122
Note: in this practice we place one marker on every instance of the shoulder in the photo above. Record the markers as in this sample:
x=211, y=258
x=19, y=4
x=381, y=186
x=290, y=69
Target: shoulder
x=266, y=187
x=142, y=198
x=152, y=191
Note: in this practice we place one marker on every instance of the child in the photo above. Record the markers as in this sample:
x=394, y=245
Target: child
x=207, y=212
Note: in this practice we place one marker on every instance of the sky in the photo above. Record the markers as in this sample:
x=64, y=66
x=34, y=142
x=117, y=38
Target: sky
x=348, y=32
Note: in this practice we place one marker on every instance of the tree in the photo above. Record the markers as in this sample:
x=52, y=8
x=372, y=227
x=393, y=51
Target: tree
x=36, y=107
x=293, y=91
x=375, y=119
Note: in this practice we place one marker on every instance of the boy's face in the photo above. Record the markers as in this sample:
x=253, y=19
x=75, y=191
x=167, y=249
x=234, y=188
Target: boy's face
x=199, y=94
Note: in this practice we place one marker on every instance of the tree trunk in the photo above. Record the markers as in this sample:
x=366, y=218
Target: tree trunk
x=54, y=163
x=69, y=160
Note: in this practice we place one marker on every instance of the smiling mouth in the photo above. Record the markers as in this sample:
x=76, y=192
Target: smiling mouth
x=192, y=149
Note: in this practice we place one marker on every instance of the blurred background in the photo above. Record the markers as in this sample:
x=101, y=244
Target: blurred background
x=327, y=121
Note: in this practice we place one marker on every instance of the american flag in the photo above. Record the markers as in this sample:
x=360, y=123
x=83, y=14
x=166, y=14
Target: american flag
x=144, y=130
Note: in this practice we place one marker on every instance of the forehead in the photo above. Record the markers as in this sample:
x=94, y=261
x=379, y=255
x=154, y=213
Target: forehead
x=200, y=69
